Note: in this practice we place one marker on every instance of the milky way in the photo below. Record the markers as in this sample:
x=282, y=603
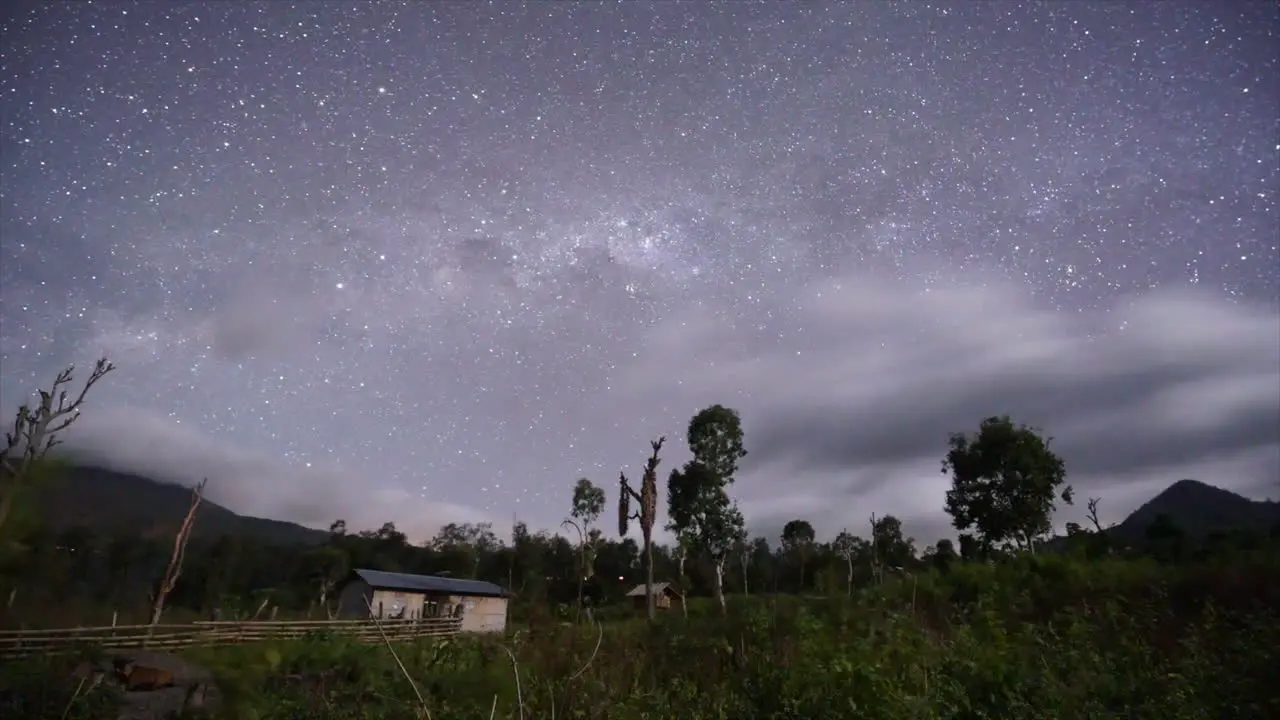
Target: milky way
x=427, y=262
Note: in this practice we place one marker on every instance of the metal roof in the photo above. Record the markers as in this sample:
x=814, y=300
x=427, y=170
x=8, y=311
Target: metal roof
x=658, y=589
x=429, y=583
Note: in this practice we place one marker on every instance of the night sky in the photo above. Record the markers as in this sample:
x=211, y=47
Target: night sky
x=430, y=262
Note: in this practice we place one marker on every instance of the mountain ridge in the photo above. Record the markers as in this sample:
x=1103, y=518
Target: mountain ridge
x=108, y=500
x=1198, y=509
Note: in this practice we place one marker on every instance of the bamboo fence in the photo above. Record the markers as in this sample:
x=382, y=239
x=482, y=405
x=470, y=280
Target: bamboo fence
x=21, y=643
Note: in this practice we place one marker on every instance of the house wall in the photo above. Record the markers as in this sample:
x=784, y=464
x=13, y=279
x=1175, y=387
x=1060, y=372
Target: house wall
x=385, y=601
x=351, y=600
x=479, y=614
x=482, y=614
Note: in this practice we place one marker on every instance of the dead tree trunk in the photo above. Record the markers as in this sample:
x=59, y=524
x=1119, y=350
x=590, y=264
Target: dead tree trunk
x=174, y=570
x=648, y=500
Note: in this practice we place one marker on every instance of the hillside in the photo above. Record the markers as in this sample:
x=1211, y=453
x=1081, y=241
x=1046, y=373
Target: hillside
x=1199, y=509
x=110, y=501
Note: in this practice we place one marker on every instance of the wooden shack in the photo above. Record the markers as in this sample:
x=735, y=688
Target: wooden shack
x=665, y=596
x=481, y=605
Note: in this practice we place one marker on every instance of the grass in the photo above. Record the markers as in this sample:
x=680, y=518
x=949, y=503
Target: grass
x=1039, y=639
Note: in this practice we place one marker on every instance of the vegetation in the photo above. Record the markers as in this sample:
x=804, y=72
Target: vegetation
x=1178, y=622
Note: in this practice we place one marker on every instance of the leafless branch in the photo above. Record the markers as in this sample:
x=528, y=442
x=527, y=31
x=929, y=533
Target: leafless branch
x=174, y=569
x=1093, y=513
x=35, y=431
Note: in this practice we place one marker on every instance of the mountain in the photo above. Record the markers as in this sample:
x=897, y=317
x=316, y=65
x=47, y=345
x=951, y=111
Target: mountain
x=111, y=501
x=1198, y=510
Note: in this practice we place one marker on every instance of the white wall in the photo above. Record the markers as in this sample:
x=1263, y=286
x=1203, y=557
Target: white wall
x=482, y=614
x=479, y=614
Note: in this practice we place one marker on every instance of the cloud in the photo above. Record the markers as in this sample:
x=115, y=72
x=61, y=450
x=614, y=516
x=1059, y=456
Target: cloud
x=251, y=483
x=850, y=388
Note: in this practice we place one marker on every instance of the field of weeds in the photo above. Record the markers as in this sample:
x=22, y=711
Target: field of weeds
x=1035, y=639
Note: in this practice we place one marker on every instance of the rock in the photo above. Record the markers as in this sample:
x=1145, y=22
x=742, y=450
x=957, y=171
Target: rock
x=157, y=686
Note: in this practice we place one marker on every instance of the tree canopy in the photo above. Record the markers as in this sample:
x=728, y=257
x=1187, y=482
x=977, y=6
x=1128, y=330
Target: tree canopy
x=1004, y=480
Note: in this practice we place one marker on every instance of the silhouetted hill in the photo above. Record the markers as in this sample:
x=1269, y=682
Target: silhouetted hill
x=106, y=500
x=1198, y=510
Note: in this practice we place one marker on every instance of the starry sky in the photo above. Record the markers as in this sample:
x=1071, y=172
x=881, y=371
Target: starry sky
x=432, y=262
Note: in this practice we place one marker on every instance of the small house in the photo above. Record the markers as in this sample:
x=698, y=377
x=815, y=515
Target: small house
x=401, y=596
x=664, y=595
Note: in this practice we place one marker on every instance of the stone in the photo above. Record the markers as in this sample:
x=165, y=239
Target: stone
x=158, y=686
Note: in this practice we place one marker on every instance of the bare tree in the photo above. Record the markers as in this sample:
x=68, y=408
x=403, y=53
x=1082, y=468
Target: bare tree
x=1093, y=513
x=35, y=432
x=174, y=570
x=647, y=515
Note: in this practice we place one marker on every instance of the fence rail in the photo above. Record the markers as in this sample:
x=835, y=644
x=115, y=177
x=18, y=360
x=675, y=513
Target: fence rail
x=20, y=643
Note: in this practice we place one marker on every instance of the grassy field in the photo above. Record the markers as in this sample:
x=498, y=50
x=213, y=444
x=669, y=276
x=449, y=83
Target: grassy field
x=1039, y=639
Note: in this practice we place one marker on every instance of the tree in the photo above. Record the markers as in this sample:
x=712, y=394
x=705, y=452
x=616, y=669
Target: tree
x=35, y=433
x=941, y=556
x=698, y=505
x=848, y=547
x=715, y=439
x=700, y=512
x=685, y=545
x=797, y=540
x=891, y=547
x=647, y=514
x=325, y=567
x=720, y=528
x=1003, y=483
x=588, y=503
x=460, y=546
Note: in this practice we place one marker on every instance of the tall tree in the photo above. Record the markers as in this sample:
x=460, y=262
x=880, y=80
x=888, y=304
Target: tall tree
x=797, y=540
x=705, y=514
x=647, y=514
x=721, y=527
x=588, y=503
x=1004, y=481
x=848, y=547
x=892, y=548
x=700, y=512
x=715, y=439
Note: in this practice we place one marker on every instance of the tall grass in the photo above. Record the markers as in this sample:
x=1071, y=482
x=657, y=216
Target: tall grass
x=1039, y=639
